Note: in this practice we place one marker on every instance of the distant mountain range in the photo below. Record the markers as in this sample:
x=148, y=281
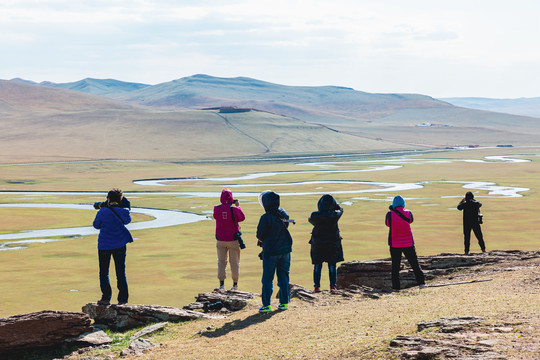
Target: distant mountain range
x=521, y=106
x=203, y=116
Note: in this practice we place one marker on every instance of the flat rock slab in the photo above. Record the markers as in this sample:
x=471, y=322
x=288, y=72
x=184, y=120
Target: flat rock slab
x=376, y=273
x=41, y=329
x=149, y=330
x=138, y=347
x=233, y=300
x=459, y=321
x=95, y=338
x=125, y=317
x=445, y=344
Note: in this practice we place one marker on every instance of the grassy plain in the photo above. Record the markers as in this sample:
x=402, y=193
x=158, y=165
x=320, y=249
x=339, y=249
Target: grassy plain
x=169, y=266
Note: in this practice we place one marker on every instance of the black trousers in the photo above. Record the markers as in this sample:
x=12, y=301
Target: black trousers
x=410, y=254
x=119, y=256
x=475, y=227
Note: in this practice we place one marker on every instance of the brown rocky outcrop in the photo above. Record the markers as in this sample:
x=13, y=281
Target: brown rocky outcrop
x=453, y=338
x=125, y=317
x=41, y=329
x=221, y=300
x=376, y=273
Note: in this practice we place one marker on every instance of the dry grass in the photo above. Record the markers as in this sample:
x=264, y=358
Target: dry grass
x=170, y=266
x=341, y=328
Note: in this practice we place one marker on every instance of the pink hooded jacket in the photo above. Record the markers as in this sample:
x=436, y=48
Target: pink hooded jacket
x=400, y=233
x=225, y=228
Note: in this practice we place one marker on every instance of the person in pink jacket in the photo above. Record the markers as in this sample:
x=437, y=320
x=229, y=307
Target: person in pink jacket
x=227, y=218
x=401, y=241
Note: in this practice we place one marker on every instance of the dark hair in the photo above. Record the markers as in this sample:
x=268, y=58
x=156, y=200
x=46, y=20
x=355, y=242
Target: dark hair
x=469, y=195
x=115, y=195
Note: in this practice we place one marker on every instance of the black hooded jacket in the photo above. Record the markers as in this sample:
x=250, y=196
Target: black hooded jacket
x=272, y=231
x=325, y=238
x=470, y=208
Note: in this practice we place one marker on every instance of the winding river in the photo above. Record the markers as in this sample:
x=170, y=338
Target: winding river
x=163, y=217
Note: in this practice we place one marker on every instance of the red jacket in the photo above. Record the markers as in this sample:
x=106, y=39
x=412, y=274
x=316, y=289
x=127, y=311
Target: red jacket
x=225, y=228
x=399, y=234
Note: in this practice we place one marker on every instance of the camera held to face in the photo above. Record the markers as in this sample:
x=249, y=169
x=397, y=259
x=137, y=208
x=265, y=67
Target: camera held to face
x=99, y=204
x=238, y=237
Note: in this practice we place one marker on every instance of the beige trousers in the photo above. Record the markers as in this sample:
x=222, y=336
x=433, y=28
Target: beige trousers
x=233, y=249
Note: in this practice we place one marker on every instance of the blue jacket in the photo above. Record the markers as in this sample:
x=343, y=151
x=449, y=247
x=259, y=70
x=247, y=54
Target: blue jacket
x=112, y=231
x=271, y=231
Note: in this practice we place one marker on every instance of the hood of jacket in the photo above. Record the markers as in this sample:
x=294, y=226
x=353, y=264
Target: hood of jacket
x=226, y=197
x=398, y=202
x=327, y=203
x=270, y=201
x=469, y=195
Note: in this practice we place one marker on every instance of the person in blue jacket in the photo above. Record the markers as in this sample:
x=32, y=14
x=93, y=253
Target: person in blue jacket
x=111, y=220
x=276, y=242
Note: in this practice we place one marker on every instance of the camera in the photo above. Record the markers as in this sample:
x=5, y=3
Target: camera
x=238, y=236
x=99, y=204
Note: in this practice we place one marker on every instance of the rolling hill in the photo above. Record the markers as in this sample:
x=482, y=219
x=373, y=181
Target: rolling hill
x=522, y=106
x=206, y=117
x=99, y=87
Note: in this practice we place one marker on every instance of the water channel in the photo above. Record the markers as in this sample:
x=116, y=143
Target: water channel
x=164, y=217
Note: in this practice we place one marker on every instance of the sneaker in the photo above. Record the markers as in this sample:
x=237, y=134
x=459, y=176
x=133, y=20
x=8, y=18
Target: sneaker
x=122, y=302
x=283, y=307
x=234, y=288
x=317, y=289
x=221, y=287
x=422, y=286
x=103, y=302
x=265, y=309
x=333, y=288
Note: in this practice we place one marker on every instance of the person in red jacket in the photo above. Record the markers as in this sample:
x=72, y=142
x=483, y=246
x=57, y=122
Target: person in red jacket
x=401, y=241
x=227, y=218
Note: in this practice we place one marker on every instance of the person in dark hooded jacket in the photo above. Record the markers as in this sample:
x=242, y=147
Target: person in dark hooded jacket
x=471, y=209
x=276, y=242
x=326, y=240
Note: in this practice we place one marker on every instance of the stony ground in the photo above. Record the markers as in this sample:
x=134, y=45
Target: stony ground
x=504, y=306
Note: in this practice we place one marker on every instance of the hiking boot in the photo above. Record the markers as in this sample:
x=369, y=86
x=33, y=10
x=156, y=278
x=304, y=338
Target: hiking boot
x=104, y=302
x=317, y=289
x=283, y=307
x=333, y=288
x=422, y=286
x=122, y=302
x=265, y=309
x=234, y=288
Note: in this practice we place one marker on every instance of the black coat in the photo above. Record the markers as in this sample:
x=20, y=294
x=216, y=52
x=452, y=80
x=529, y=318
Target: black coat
x=470, y=208
x=325, y=238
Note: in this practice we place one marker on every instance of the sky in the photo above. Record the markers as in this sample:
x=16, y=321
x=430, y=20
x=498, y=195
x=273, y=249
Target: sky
x=458, y=48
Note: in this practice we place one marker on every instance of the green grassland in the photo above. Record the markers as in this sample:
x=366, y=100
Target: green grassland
x=169, y=266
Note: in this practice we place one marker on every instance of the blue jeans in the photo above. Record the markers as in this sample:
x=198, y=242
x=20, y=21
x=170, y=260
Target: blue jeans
x=332, y=274
x=279, y=264
x=119, y=256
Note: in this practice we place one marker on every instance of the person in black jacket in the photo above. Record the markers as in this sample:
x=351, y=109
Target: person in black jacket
x=276, y=242
x=326, y=240
x=471, y=209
